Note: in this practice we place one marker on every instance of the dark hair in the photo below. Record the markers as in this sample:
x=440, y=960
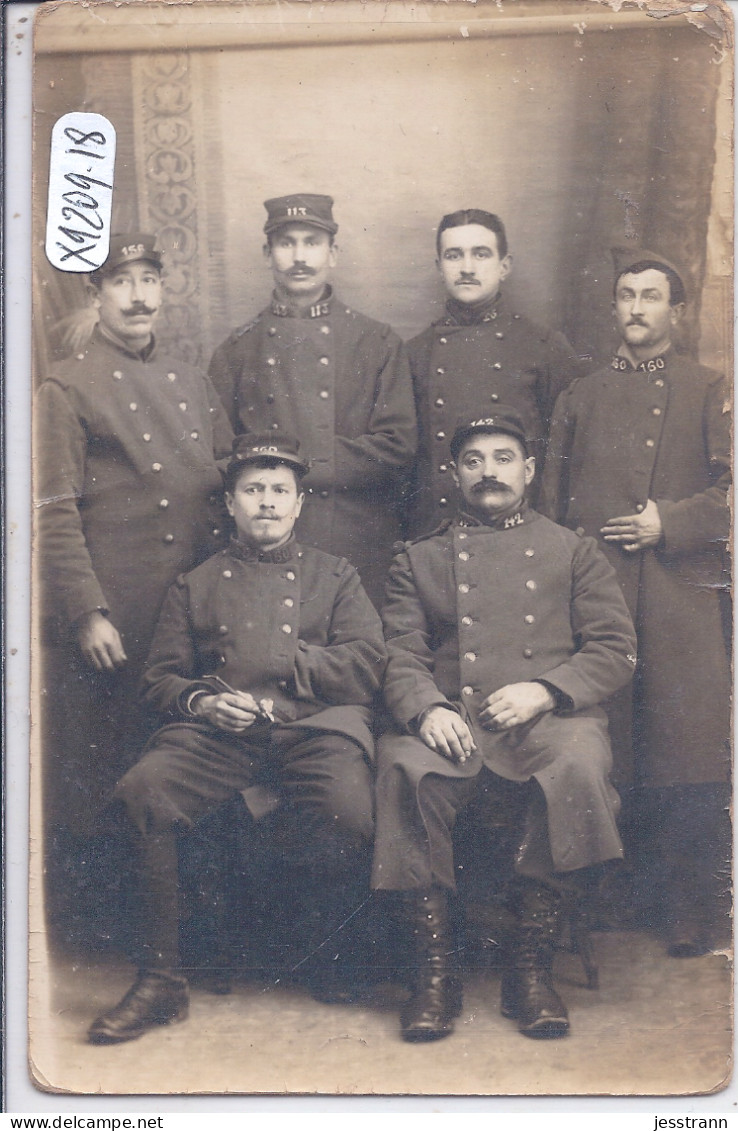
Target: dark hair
x=236, y=468
x=474, y=216
x=677, y=293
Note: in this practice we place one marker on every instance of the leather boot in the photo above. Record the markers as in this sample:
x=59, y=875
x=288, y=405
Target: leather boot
x=528, y=994
x=436, y=994
x=155, y=998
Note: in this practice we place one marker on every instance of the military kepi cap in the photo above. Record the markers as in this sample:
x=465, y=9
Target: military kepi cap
x=503, y=419
x=281, y=447
x=300, y=208
x=626, y=258
x=131, y=247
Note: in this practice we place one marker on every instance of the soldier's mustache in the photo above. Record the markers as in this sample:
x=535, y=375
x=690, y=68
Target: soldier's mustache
x=139, y=308
x=301, y=269
x=488, y=485
x=467, y=279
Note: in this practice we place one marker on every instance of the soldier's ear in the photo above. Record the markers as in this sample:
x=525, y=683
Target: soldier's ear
x=676, y=313
x=530, y=470
x=228, y=499
x=93, y=294
x=505, y=266
x=454, y=474
x=333, y=254
x=298, y=504
x=267, y=252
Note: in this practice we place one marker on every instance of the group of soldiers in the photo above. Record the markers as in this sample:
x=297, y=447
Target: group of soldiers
x=228, y=608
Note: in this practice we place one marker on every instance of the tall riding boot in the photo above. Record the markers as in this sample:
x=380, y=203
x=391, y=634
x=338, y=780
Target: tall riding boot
x=528, y=994
x=436, y=994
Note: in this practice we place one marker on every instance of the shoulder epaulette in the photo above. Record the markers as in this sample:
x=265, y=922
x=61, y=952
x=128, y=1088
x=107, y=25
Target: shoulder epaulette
x=241, y=330
x=444, y=526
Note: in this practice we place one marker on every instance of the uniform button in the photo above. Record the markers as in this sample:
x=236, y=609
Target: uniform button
x=440, y=371
x=466, y=621
x=639, y=507
x=156, y=467
x=183, y=405
x=223, y=629
x=287, y=629
x=529, y=552
x=282, y=683
x=147, y=437
x=443, y=501
x=467, y=690
x=290, y=575
x=289, y=602
x=440, y=435
x=270, y=398
x=462, y=535
x=325, y=361
x=649, y=443
x=464, y=556
x=133, y=406
x=497, y=365
x=168, y=537
x=80, y=357
x=272, y=331
x=527, y=652
x=659, y=383
x=164, y=503
x=194, y=435
x=324, y=494
x=271, y=361
x=463, y=588
x=171, y=376
x=470, y=656
x=324, y=394
x=227, y=573
x=499, y=334
x=275, y=426
x=656, y=411
x=530, y=584
x=116, y=373
x=325, y=329
x=443, y=341
x=494, y=397
x=530, y=619
x=440, y=402
x=222, y=659
x=442, y=467
x=216, y=531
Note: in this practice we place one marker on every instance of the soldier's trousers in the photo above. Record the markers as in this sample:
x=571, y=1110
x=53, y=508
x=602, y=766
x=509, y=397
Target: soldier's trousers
x=189, y=772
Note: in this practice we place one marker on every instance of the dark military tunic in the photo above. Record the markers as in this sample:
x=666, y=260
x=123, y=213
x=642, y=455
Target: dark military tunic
x=293, y=626
x=128, y=494
x=660, y=431
x=340, y=382
x=469, y=610
x=464, y=367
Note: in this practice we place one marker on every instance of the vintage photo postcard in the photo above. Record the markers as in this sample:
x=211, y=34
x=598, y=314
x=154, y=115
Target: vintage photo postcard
x=381, y=455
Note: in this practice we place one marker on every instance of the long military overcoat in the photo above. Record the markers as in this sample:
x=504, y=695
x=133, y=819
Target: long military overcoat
x=127, y=495
x=471, y=609
x=465, y=369
x=340, y=382
x=619, y=438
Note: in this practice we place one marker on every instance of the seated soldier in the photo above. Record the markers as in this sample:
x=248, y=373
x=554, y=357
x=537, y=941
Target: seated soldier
x=504, y=633
x=266, y=660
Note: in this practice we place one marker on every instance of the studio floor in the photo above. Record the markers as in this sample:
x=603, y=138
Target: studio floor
x=656, y=1026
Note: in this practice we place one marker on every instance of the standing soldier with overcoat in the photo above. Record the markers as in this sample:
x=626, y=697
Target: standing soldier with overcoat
x=128, y=494
x=481, y=353
x=337, y=379
x=639, y=458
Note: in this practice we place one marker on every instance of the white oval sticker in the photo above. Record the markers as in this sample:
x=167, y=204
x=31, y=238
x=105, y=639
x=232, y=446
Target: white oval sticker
x=81, y=177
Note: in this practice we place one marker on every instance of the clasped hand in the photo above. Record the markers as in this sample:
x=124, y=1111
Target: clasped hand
x=233, y=711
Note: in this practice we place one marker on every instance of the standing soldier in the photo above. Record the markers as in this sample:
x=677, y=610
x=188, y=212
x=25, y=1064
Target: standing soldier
x=339, y=380
x=128, y=494
x=478, y=355
x=640, y=460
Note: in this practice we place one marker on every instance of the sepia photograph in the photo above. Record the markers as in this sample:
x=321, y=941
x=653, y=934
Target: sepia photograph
x=381, y=588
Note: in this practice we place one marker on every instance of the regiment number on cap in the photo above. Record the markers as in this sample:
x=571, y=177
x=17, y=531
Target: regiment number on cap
x=296, y=210
x=81, y=177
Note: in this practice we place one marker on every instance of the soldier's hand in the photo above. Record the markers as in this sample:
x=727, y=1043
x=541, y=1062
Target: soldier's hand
x=233, y=711
x=635, y=531
x=445, y=731
x=515, y=704
x=99, y=642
